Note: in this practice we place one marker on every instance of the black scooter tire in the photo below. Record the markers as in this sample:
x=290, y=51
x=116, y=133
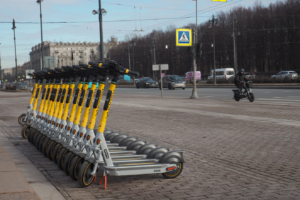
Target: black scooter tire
x=84, y=177
x=66, y=163
x=75, y=166
x=21, y=119
x=36, y=137
x=251, y=97
x=23, y=132
x=60, y=158
x=50, y=148
x=175, y=173
x=45, y=145
x=32, y=130
x=55, y=152
x=41, y=142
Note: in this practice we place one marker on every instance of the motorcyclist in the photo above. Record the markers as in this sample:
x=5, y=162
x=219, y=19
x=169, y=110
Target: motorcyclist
x=240, y=81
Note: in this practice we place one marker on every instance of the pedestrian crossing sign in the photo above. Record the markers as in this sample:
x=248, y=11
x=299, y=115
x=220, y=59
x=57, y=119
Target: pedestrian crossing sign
x=220, y=0
x=183, y=37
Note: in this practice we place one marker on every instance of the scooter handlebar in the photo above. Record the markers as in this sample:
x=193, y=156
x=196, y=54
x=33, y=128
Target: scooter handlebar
x=133, y=73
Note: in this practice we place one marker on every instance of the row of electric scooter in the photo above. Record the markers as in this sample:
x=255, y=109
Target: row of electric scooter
x=71, y=140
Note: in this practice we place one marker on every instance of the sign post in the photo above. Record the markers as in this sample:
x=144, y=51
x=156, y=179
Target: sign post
x=160, y=67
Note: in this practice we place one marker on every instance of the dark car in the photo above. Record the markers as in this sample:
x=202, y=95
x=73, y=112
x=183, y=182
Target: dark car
x=146, y=83
x=249, y=75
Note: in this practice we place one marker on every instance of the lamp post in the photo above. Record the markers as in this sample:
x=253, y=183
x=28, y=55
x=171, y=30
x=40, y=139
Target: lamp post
x=194, y=91
x=42, y=43
x=13, y=28
x=101, y=11
x=213, y=23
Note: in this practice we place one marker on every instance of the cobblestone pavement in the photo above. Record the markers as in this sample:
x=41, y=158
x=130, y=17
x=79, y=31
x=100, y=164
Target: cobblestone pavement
x=232, y=150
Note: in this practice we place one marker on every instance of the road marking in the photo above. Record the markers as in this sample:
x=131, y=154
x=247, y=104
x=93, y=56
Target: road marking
x=216, y=114
x=265, y=99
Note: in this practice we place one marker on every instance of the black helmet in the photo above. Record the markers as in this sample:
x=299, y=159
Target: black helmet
x=241, y=70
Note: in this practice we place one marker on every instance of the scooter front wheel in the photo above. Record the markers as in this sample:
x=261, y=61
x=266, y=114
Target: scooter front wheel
x=251, y=97
x=24, y=131
x=84, y=177
x=176, y=172
x=21, y=119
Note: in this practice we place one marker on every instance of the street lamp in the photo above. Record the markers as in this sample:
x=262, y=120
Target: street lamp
x=13, y=28
x=101, y=11
x=42, y=44
x=212, y=23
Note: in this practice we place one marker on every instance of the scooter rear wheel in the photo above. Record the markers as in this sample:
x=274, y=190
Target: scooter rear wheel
x=21, y=119
x=84, y=177
x=174, y=173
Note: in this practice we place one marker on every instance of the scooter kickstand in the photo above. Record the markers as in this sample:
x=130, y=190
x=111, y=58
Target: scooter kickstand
x=105, y=177
x=95, y=179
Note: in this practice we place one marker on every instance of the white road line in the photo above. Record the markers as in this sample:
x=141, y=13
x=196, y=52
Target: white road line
x=265, y=99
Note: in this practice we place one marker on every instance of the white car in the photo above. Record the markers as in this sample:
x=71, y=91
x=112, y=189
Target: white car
x=283, y=74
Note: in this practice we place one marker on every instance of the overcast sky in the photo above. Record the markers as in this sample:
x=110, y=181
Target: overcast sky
x=84, y=26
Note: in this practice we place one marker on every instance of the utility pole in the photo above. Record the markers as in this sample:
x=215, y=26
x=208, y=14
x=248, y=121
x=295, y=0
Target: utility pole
x=101, y=32
x=133, y=44
x=14, y=27
x=213, y=23
x=1, y=79
x=194, y=91
x=234, y=33
x=152, y=51
x=42, y=43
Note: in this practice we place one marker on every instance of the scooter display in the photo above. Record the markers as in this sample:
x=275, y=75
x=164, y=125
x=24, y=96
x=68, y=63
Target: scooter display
x=238, y=95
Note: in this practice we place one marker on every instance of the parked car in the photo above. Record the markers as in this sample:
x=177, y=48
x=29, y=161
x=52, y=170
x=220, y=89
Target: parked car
x=226, y=73
x=22, y=86
x=13, y=86
x=249, y=75
x=184, y=78
x=146, y=83
x=285, y=74
x=172, y=82
x=7, y=86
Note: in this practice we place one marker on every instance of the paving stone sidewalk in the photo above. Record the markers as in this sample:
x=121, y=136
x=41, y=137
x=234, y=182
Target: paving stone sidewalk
x=232, y=150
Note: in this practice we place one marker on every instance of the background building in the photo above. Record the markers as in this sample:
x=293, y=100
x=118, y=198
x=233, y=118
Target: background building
x=58, y=54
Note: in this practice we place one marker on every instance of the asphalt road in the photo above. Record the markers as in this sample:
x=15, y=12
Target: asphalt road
x=272, y=96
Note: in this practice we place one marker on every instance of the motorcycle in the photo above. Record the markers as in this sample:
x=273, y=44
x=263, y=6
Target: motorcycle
x=238, y=95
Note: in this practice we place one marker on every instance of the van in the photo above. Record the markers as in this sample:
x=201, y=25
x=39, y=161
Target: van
x=222, y=73
x=190, y=75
